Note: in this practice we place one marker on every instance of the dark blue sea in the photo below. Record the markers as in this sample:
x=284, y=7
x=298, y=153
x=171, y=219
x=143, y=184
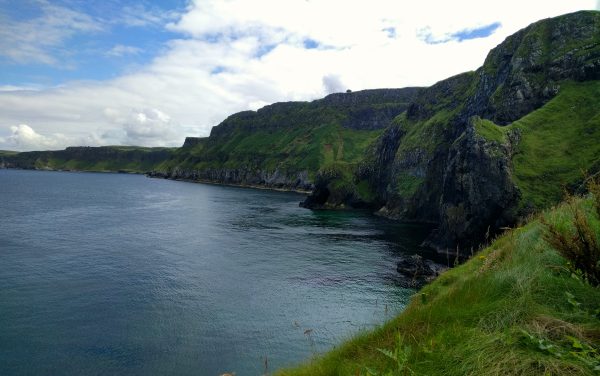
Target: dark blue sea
x=116, y=274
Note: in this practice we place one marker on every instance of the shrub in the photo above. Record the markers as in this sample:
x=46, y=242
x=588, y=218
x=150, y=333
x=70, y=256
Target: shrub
x=578, y=244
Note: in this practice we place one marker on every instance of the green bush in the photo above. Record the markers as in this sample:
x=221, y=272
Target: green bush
x=578, y=242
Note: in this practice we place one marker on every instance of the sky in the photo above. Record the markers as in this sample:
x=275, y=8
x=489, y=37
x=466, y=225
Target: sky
x=151, y=72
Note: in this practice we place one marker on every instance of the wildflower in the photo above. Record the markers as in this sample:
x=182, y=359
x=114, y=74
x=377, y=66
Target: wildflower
x=481, y=257
x=568, y=263
x=518, y=228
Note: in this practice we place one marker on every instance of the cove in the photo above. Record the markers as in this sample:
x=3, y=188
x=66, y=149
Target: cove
x=104, y=274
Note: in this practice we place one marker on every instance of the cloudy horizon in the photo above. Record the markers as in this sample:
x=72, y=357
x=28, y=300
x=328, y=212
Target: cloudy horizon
x=151, y=72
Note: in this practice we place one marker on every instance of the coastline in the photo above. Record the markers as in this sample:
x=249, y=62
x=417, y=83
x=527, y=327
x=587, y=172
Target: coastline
x=214, y=182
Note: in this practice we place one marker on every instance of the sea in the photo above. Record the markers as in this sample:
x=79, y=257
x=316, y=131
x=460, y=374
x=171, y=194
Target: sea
x=120, y=274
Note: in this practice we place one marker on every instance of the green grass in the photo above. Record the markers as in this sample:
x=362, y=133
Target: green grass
x=470, y=320
x=8, y=152
x=558, y=142
x=99, y=159
x=488, y=130
x=428, y=133
x=407, y=184
x=555, y=144
x=294, y=149
x=365, y=192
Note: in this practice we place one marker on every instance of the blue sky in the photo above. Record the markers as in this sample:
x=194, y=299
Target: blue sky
x=120, y=34
x=151, y=72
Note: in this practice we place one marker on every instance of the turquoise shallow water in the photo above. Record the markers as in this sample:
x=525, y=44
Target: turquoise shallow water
x=113, y=274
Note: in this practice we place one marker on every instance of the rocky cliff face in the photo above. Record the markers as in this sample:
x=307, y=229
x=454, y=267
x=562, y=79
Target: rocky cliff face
x=430, y=164
x=478, y=194
x=190, y=142
x=365, y=109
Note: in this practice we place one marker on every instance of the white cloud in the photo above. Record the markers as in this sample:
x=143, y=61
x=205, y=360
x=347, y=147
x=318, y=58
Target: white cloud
x=257, y=51
x=120, y=50
x=16, y=88
x=139, y=15
x=29, y=41
x=24, y=138
x=333, y=84
x=147, y=127
x=151, y=127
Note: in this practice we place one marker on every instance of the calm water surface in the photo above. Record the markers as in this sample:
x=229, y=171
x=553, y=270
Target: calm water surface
x=110, y=274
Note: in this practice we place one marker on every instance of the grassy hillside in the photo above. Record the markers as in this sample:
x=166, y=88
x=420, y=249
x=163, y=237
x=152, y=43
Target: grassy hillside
x=293, y=149
x=101, y=159
x=512, y=309
x=8, y=152
x=556, y=143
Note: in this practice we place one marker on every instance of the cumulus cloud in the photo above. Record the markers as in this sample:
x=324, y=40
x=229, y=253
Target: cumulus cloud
x=151, y=127
x=147, y=127
x=24, y=138
x=333, y=83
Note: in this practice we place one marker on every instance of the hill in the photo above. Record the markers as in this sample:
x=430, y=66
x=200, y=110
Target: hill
x=283, y=145
x=477, y=151
x=80, y=158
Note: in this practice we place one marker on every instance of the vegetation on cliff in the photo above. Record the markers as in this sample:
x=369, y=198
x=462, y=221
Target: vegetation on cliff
x=517, y=307
x=556, y=143
x=100, y=159
x=477, y=151
x=283, y=145
x=291, y=150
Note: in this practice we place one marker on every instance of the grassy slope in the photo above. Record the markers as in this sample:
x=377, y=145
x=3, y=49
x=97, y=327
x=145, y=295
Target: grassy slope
x=104, y=159
x=469, y=320
x=8, y=152
x=555, y=144
x=293, y=149
x=108, y=165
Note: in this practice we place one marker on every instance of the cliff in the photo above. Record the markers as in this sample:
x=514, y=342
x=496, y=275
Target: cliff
x=461, y=155
x=283, y=145
x=80, y=158
x=361, y=110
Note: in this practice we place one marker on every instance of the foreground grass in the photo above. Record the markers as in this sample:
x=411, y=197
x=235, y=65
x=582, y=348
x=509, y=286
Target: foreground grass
x=472, y=319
